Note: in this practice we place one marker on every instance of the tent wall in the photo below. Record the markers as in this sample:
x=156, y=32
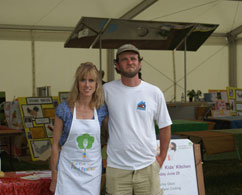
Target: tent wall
x=15, y=63
x=239, y=63
x=55, y=67
x=206, y=69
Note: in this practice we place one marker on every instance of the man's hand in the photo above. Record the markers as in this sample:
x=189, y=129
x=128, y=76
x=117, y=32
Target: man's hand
x=159, y=160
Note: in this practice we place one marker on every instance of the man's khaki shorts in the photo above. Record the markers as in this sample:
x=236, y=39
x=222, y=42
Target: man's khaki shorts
x=145, y=181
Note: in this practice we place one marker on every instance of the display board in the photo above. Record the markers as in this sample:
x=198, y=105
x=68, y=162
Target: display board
x=12, y=115
x=178, y=174
x=235, y=100
x=38, y=115
x=221, y=105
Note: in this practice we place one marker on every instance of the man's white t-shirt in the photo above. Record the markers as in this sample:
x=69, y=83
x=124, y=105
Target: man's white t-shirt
x=132, y=111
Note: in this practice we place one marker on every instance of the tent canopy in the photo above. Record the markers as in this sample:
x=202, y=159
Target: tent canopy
x=148, y=35
x=64, y=15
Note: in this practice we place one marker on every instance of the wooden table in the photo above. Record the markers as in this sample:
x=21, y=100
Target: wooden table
x=217, y=141
x=214, y=142
x=228, y=122
x=10, y=133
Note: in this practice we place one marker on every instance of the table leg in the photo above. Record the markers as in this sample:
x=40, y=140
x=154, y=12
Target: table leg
x=10, y=153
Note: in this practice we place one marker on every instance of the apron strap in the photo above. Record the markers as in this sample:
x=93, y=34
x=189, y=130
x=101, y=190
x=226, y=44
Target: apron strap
x=95, y=113
x=74, y=112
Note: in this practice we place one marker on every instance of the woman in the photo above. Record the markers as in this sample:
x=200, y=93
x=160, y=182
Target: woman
x=76, y=149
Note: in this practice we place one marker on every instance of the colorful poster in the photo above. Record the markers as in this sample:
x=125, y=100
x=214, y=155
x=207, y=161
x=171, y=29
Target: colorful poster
x=12, y=115
x=235, y=100
x=218, y=94
x=178, y=173
x=220, y=106
x=38, y=114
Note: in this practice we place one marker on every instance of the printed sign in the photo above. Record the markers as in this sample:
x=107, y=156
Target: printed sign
x=178, y=173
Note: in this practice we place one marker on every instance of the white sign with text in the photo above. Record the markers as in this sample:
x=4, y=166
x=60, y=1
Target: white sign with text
x=178, y=173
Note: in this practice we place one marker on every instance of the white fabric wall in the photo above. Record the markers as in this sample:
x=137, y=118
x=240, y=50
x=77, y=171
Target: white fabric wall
x=207, y=68
x=55, y=67
x=239, y=60
x=15, y=68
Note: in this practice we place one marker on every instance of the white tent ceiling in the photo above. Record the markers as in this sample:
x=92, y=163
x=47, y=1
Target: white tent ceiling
x=66, y=13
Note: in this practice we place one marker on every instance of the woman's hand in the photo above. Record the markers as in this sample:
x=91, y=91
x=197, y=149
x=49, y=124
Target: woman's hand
x=52, y=186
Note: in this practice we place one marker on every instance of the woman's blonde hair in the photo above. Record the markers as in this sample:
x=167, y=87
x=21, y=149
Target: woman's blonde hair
x=87, y=68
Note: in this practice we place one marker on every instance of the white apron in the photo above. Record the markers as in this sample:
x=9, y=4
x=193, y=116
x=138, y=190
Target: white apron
x=80, y=162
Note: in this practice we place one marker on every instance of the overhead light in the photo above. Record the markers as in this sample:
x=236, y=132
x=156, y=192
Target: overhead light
x=164, y=31
x=83, y=33
x=142, y=31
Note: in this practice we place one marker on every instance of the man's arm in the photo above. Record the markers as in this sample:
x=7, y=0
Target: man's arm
x=165, y=136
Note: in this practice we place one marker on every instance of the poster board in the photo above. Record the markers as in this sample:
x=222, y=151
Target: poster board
x=12, y=115
x=235, y=100
x=220, y=103
x=38, y=115
x=181, y=172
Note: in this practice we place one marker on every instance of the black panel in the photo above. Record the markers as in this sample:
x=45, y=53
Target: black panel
x=148, y=35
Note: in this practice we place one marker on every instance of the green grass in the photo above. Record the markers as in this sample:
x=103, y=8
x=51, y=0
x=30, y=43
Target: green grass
x=221, y=177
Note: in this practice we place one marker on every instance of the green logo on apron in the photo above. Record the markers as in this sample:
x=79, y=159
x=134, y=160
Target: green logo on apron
x=85, y=141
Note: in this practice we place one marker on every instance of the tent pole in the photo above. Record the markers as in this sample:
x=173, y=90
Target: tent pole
x=33, y=64
x=185, y=69
x=174, y=74
x=100, y=53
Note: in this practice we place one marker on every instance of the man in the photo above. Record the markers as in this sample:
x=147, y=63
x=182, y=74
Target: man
x=134, y=105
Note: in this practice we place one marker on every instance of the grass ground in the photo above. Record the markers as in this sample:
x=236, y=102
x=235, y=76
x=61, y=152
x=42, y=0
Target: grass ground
x=221, y=177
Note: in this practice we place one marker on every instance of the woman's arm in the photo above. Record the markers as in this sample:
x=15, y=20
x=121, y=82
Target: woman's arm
x=55, y=151
x=104, y=132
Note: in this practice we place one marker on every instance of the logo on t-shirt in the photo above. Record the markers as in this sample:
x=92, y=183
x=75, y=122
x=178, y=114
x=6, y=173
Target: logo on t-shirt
x=141, y=105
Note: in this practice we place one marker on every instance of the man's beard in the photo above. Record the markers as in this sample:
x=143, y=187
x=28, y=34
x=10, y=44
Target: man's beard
x=129, y=74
